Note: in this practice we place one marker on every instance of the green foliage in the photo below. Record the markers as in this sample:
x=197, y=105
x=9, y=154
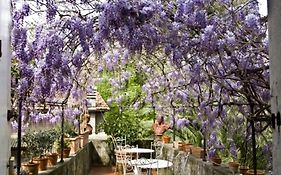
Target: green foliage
x=122, y=124
x=104, y=88
x=124, y=119
x=68, y=128
x=58, y=145
x=39, y=142
x=190, y=134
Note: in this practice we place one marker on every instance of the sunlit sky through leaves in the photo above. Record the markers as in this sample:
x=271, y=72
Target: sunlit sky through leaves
x=263, y=7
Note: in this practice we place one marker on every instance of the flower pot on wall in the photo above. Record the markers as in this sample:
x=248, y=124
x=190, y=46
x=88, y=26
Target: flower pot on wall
x=197, y=152
x=42, y=161
x=216, y=160
x=243, y=170
x=30, y=167
x=52, y=159
x=234, y=166
x=74, y=145
x=259, y=172
x=187, y=147
x=166, y=139
x=66, y=152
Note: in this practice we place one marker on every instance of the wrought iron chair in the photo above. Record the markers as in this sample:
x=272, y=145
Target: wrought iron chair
x=157, y=146
x=118, y=144
x=125, y=159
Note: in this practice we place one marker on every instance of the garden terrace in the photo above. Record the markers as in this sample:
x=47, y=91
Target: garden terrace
x=200, y=66
x=96, y=155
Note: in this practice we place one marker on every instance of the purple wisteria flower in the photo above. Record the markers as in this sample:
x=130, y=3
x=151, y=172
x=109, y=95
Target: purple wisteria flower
x=252, y=21
x=182, y=123
x=233, y=150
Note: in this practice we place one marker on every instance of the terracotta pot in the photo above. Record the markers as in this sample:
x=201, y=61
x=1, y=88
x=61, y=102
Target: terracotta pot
x=243, y=170
x=259, y=172
x=177, y=144
x=234, y=166
x=74, y=145
x=197, y=152
x=181, y=147
x=52, y=159
x=30, y=167
x=216, y=160
x=66, y=152
x=42, y=161
x=187, y=147
x=166, y=139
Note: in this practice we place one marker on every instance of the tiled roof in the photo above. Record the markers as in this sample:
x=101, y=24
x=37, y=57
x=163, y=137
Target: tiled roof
x=97, y=103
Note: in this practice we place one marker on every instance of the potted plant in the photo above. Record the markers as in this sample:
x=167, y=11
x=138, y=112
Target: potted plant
x=52, y=157
x=259, y=172
x=166, y=139
x=189, y=136
x=197, y=151
x=243, y=169
x=72, y=136
x=45, y=139
x=30, y=167
x=233, y=164
x=214, y=156
x=65, y=147
x=29, y=140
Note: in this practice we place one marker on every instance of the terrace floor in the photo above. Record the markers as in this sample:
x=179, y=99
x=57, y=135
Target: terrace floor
x=102, y=171
x=108, y=171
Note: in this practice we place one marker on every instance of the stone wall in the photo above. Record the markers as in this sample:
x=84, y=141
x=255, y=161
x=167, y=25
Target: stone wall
x=80, y=164
x=100, y=153
x=184, y=164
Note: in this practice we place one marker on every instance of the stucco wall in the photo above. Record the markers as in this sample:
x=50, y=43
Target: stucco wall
x=187, y=164
x=5, y=85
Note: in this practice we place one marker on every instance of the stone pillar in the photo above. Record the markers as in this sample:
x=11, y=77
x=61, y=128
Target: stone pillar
x=274, y=16
x=5, y=85
x=93, y=121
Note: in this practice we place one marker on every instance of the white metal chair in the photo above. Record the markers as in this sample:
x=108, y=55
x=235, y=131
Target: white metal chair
x=125, y=158
x=157, y=146
x=118, y=144
x=122, y=158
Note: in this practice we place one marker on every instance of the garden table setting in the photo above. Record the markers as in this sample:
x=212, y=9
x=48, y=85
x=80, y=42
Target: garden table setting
x=149, y=164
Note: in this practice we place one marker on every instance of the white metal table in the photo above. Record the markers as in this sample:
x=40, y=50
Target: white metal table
x=131, y=151
x=138, y=150
x=150, y=164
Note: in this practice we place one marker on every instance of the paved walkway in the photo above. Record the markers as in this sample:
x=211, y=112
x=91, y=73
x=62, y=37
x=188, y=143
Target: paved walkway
x=108, y=171
x=102, y=171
